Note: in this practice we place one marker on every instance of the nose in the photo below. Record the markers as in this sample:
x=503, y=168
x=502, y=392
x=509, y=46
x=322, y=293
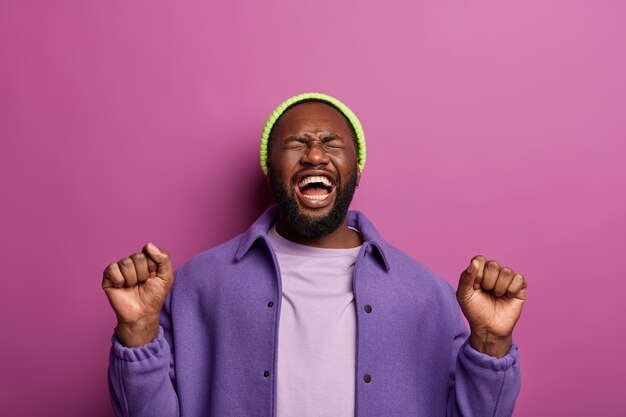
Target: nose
x=315, y=154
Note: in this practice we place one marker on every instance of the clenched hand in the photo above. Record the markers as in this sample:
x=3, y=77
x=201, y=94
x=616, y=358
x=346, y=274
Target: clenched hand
x=491, y=298
x=136, y=288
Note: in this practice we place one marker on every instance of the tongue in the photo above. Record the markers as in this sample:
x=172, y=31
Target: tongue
x=314, y=191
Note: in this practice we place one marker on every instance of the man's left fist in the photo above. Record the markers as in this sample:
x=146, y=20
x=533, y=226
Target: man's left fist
x=491, y=298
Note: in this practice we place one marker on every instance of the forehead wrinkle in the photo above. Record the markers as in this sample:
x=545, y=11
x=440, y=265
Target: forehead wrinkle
x=313, y=134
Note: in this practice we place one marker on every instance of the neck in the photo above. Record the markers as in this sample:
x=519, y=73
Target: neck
x=341, y=238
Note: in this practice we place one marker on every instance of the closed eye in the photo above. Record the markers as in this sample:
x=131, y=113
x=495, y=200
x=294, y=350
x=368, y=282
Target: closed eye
x=333, y=141
x=295, y=141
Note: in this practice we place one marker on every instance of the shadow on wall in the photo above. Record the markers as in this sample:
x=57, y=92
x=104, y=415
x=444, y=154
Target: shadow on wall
x=257, y=196
x=244, y=195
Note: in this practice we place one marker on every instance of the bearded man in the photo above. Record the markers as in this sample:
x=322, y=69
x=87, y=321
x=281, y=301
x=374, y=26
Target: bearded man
x=310, y=313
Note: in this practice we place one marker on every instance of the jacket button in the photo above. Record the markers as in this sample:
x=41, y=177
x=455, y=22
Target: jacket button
x=266, y=374
x=270, y=304
x=367, y=378
x=368, y=308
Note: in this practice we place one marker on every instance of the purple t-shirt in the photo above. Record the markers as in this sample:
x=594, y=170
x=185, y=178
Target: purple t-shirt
x=317, y=330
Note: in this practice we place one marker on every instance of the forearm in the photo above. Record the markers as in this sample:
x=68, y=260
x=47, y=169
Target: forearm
x=484, y=385
x=140, y=383
x=139, y=333
x=491, y=345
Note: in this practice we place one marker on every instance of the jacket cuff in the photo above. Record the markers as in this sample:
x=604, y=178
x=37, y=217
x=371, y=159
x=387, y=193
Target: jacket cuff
x=491, y=362
x=139, y=353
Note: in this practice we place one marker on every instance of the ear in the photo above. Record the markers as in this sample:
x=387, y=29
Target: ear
x=358, y=175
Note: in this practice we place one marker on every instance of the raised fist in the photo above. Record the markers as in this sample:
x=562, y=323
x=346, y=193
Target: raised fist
x=136, y=288
x=491, y=297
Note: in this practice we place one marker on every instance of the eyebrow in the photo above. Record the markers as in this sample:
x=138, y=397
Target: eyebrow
x=325, y=137
x=332, y=136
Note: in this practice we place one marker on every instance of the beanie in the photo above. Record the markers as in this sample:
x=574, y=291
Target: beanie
x=354, y=121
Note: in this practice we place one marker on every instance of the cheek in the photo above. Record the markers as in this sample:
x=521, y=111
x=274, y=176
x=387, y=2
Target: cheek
x=285, y=162
x=345, y=161
x=280, y=168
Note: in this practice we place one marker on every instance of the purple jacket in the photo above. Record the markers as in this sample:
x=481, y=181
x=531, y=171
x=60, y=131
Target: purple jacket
x=216, y=352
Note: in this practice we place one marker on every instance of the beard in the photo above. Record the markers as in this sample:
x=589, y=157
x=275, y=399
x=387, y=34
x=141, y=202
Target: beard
x=313, y=227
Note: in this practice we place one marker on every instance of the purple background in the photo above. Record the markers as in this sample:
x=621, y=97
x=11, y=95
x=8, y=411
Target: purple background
x=493, y=127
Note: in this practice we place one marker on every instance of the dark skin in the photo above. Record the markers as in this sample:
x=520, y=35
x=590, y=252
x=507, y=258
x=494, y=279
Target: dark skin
x=311, y=139
x=314, y=139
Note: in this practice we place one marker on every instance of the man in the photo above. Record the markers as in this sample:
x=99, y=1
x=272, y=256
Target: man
x=310, y=312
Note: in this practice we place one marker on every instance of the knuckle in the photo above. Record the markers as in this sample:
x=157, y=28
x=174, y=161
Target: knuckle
x=506, y=271
x=125, y=262
x=492, y=264
x=137, y=256
x=479, y=258
x=107, y=269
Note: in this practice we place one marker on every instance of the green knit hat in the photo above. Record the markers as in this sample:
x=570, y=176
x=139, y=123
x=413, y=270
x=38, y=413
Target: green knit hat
x=356, y=125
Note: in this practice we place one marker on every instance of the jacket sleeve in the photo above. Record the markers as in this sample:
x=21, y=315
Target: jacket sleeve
x=482, y=385
x=141, y=379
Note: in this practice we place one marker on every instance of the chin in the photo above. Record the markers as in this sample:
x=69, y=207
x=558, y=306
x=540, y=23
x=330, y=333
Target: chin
x=312, y=222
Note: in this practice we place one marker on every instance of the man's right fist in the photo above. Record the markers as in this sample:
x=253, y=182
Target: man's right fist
x=136, y=288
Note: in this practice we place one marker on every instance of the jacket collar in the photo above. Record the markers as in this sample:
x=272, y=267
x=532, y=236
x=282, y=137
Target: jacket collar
x=356, y=219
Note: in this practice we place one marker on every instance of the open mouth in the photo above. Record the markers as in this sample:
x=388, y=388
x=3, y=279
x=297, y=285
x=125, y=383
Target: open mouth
x=315, y=190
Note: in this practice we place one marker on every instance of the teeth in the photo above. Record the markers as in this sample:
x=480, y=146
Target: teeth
x=320, y=179
x=317, y=197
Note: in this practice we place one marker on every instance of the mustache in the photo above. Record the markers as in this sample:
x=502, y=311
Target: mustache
x=302, y=224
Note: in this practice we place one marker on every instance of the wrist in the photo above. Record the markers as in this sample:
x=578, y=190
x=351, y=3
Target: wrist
x=138, y=333
x=490, y=344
